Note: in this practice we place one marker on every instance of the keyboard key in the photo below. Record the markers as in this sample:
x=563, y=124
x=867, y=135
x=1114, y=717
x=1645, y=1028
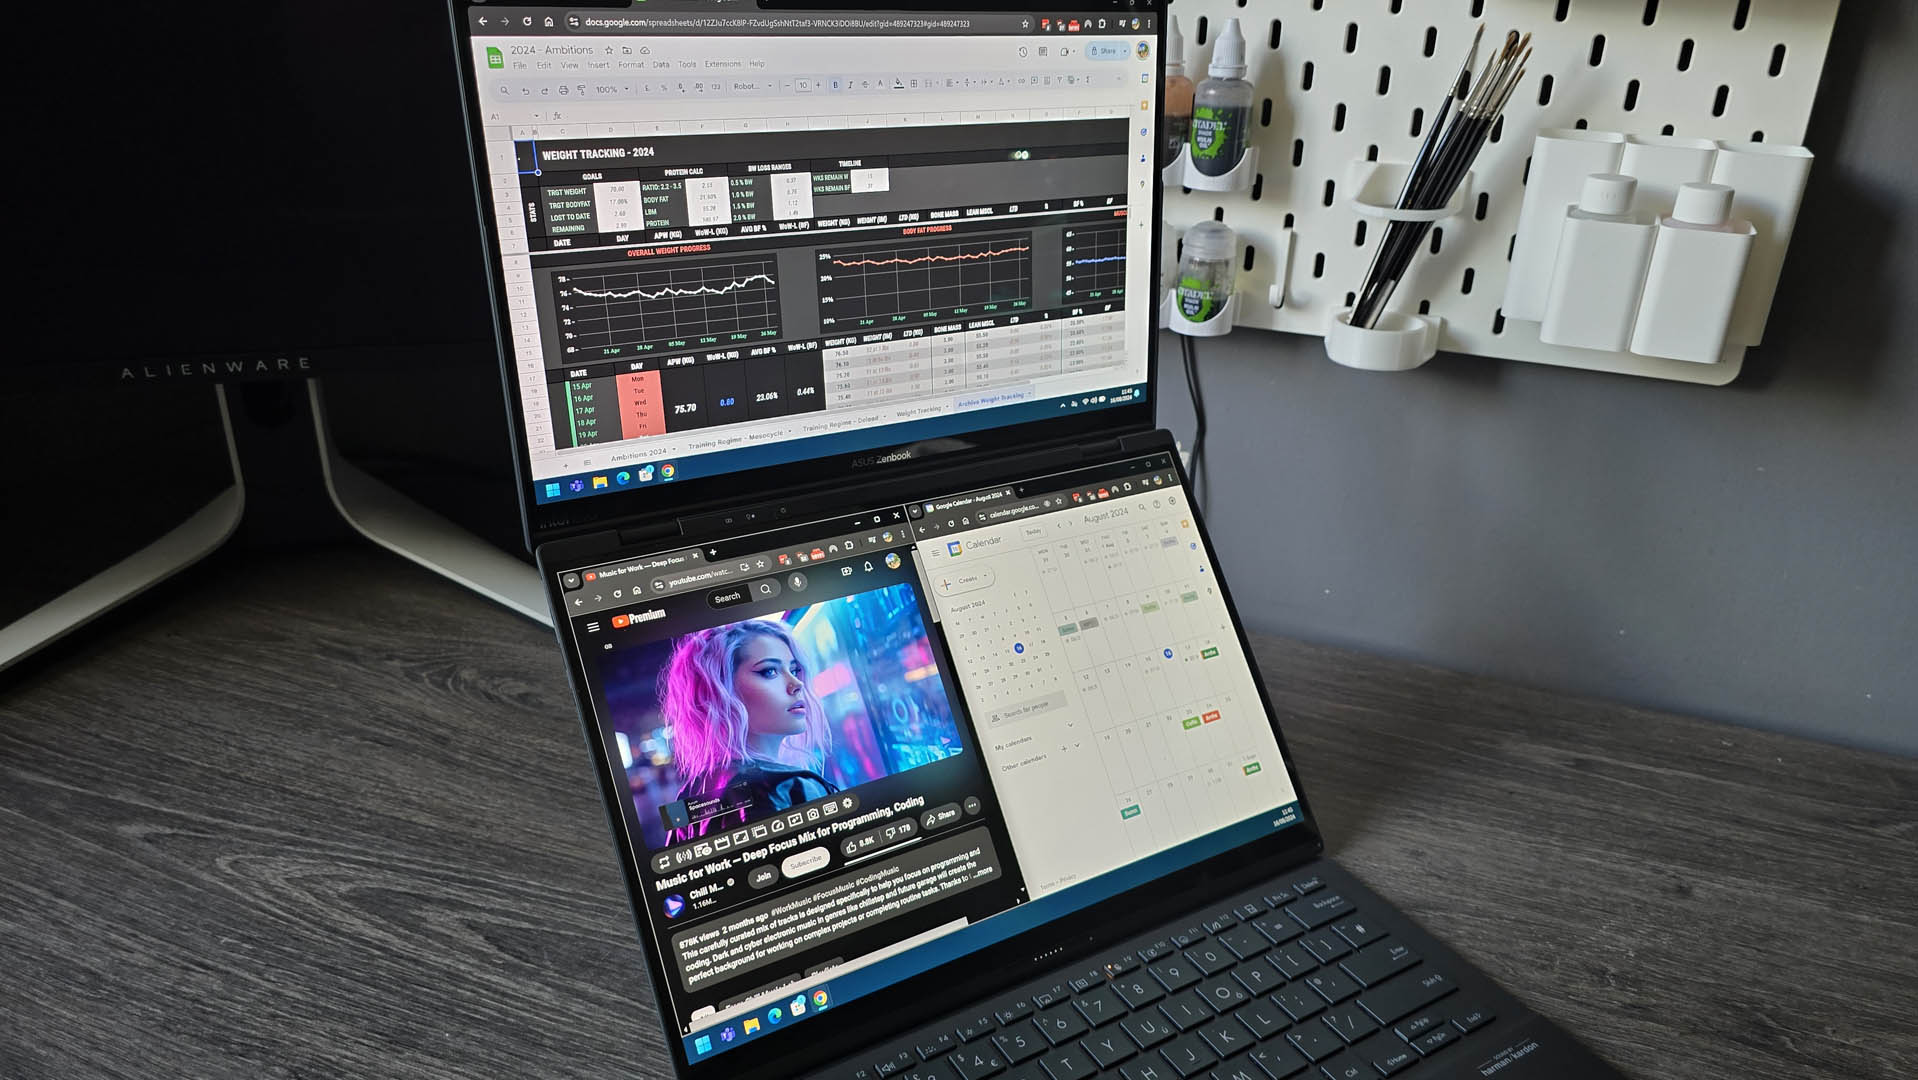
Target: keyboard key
x=1308, y=885
x=1347, y=1066
x=1137, y=991
x=1243, y=1069
x=1319, y=910
x=1068, y=1064
x=1061, y=1023
x=1248, y=910
x=1175, y=974
x=1359, y=932
x=1472, y=1020
x=1147, y=1029
x=899, y=1062
x=1418, y=1024
x=1325, y=945
x=1298, y=1001
x=1189, y=937
x=1210, y=957
x=1400, y=996
x=1223, y=993
x=1008, y=1011
x=976, y=1062
x=1378, y=962
x=1258, y=977
x=975, y=1028
x=1436, y=1039
x=1315, y=1041
x=1187, y=1010
x=1099, y=1007
x=1108, y=1047
x=1263, y=1019
x=1293, y=960
x=938, y=1046
x=1332, y=985
x=1147, y=1069
x=1020, y=1043
x=1244, y=941
x=1158, y=950
x=1388, y=1060
x=1219, y=922
x=1277, y=928
x=1226, y=1037
x=1189, y=1055
x=1351, y=1022
x=1280, y=1060
x=1048, y=996
x=1119, y=965
x=1086, y=980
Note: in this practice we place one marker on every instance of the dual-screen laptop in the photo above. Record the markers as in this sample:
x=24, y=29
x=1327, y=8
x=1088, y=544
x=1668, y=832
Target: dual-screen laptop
x=930, y=739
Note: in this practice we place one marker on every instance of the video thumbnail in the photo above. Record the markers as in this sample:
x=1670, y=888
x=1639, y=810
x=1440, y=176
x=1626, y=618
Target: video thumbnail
x=733, y=723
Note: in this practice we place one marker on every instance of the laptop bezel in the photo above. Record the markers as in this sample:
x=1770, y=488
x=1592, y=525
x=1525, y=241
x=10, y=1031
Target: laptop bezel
x=546, y=521
x=988, y=971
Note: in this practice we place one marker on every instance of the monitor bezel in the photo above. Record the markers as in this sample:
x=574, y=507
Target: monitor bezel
x=547, y=521
x=878, y=1018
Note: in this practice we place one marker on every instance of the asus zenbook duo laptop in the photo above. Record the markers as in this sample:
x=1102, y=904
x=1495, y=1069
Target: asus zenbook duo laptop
x=927, y=730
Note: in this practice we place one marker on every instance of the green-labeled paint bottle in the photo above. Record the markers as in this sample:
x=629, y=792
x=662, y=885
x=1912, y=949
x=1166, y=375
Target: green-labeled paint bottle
x=1207, y=277
x=1222, y=107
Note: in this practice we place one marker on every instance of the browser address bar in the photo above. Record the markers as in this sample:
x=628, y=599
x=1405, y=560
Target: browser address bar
x=601, y=22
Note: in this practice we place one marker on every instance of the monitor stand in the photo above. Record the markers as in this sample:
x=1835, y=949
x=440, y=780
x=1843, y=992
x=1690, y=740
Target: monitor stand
x=279, y=454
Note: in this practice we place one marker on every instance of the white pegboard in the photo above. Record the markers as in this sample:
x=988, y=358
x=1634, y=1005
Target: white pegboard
x=1750, y=71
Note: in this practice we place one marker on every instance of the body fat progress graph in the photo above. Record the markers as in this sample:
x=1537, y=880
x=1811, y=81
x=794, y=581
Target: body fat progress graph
x=905, y=282
x=1095, y=263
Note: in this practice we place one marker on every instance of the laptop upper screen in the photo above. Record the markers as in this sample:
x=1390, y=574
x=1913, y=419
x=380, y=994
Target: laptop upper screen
x=849, y=751
x=736, y=239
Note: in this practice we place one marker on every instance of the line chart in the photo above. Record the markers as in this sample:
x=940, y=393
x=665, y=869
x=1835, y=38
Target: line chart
x=1095, y=262
x=607, y=313
x=899, y=282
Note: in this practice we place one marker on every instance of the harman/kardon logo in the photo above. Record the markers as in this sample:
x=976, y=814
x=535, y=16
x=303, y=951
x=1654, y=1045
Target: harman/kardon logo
x=906, y=454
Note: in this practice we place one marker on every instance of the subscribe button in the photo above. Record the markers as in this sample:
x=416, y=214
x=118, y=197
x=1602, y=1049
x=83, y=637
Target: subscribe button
x=733, y=595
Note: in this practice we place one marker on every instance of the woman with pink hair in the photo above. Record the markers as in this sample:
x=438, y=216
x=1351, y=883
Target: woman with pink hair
x=749, y=737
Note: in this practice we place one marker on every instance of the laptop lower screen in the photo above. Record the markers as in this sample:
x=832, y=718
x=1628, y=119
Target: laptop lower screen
x=853, y=750
x=732, y=239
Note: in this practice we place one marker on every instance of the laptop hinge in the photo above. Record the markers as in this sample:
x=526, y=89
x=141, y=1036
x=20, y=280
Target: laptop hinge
x=828, y=500
x=639, y=534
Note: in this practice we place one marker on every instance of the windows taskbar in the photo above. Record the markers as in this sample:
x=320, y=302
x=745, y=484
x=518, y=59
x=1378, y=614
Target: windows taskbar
x=809, y=1001
x=630, y=475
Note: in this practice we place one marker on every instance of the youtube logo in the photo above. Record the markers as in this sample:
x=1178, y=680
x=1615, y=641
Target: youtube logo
x=621, y=622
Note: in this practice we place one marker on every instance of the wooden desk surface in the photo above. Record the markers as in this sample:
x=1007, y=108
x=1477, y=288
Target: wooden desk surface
x=330, y=816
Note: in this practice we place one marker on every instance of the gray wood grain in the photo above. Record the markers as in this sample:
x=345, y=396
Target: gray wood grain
x=329, y=816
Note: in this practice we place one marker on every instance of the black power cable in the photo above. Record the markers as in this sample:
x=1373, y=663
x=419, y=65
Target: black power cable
x=1201, y=483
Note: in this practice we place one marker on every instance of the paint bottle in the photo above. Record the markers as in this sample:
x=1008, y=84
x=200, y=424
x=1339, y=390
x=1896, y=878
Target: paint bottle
x=1603, y=249
x=1222, y=107
x=1175, y=125
x=1207, y=276
x=1697, y=267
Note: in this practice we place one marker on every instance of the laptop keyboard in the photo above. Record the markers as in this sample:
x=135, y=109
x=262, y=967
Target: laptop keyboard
x=1297, y=982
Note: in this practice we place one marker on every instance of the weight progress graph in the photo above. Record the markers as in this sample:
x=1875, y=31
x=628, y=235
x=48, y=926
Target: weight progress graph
x=629, y=312
x=896, y=283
